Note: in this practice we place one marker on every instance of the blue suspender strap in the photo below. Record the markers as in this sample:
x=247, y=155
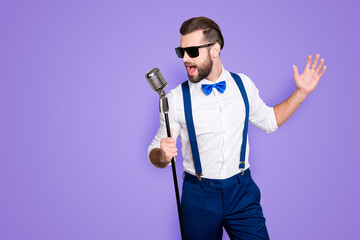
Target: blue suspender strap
x=191, y=128
x=246, y=102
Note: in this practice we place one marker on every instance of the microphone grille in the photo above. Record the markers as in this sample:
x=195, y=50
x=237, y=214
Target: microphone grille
x=156, y=79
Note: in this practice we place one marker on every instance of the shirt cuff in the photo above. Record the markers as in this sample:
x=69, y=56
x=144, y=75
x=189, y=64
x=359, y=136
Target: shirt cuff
x=273, y=122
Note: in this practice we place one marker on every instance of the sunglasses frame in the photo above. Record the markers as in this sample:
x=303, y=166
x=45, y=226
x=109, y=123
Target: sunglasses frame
x=193, y=52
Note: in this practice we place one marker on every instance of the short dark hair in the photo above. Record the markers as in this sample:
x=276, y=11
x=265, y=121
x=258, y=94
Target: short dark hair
x=210, y=29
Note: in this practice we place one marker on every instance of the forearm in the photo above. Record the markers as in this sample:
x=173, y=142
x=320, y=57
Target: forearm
x=284, y=110
x=156, y=158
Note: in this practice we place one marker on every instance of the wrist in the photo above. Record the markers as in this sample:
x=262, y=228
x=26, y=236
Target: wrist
x=301, y=93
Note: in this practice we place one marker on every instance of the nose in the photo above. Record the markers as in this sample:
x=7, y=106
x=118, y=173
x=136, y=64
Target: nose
x=186, y=57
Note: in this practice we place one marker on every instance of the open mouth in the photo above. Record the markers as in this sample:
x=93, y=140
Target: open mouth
x=191, y=68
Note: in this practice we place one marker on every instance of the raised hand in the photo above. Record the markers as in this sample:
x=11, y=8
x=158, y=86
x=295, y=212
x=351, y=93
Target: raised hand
x=307, y=81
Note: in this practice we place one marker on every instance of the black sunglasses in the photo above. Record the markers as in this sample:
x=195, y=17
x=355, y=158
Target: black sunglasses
x=193, y=52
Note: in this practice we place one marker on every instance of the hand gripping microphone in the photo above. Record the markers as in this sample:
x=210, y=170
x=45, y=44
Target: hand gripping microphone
x=158, y=83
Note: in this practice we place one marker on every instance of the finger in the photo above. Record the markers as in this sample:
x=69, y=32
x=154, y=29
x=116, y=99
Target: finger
x=308, y=62
x=322, y=71
x=315, y=61
x=168, y=150
x=166, y=145
x=296, y=71
x=320, y=65
x=172, y=150
x=170, y=146
x=169, y=140
x=170, y=154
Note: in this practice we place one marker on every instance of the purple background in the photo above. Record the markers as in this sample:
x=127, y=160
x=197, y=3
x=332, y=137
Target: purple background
x=77, y=115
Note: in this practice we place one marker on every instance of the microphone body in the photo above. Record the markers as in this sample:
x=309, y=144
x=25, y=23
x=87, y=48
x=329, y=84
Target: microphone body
x=158, y=83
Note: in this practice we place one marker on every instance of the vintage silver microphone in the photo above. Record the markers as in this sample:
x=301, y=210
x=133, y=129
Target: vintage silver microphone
x=156, y=80
x=158, y=83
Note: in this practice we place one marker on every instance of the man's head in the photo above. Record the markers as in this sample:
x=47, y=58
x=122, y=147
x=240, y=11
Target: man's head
x=204, y=34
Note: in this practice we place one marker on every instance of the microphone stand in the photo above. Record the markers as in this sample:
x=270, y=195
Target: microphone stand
x=164, y=106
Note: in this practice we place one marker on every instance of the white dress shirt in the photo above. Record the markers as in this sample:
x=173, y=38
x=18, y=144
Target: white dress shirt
x=219, y=123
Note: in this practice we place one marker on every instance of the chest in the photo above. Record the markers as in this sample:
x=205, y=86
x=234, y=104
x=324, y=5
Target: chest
x=216, y=112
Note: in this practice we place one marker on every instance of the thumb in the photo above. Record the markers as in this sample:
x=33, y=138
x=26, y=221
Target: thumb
x=171, y=133
x=296, y=72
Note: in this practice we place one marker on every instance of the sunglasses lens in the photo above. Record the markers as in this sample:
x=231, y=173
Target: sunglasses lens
x=193, y=52
x=179, y=52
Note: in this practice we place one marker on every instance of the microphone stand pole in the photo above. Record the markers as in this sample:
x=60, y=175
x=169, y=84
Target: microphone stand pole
x=165, y=108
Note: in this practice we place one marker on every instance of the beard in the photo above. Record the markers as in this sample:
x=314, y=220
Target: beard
x=203, y=70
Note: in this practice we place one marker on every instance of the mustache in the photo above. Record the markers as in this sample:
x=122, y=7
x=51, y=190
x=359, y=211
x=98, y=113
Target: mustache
x=190, y=63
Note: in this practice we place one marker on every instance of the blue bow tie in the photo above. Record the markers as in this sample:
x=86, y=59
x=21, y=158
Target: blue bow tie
x=220, y=86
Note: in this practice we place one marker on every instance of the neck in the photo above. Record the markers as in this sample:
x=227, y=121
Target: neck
x=215, y=71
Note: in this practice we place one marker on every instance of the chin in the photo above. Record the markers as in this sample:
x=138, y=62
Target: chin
x=194, y=79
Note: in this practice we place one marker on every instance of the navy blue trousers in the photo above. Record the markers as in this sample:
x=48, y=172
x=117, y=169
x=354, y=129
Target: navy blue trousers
x=232, y=203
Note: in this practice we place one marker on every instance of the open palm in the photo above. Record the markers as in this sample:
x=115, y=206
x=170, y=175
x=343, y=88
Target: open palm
x=308, y=80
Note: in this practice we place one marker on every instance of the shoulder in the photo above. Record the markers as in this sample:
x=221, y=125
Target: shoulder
x=246, y=79
x=175, y=95
x=176, y=92
x=248, y=83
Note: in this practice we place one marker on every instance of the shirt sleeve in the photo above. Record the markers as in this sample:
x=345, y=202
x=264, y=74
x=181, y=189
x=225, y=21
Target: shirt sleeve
x=261, y=115
x=174, y=125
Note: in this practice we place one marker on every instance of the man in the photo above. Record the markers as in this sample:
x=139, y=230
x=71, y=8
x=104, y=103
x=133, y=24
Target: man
x=210, y=114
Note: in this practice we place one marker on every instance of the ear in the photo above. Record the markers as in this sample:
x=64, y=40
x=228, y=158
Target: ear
x=215, y=50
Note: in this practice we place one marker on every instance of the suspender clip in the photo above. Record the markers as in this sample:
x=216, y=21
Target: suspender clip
x=199, y=176
x=242, y=164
